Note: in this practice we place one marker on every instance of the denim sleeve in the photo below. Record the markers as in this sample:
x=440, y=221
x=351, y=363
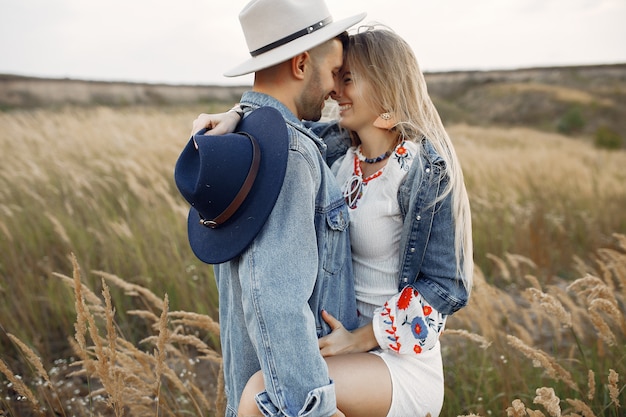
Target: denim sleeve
x=318, y=403
x=428, y=261
x=438, y=280
x=279, y=272
x=337, y=140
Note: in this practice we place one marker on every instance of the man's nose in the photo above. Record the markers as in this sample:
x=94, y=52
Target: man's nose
x=336, y=93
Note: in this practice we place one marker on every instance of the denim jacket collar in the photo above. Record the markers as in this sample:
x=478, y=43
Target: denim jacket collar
x=254, y=100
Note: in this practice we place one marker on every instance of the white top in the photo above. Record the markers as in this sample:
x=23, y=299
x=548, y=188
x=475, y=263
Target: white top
x=406, y=327
x=375, y=244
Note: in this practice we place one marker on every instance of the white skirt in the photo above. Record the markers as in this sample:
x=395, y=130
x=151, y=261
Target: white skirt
x=417, y=382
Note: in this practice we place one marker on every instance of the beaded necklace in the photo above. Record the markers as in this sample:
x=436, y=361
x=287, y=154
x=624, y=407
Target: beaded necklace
x=382, y=157
x=355, y=186
x=363, y=158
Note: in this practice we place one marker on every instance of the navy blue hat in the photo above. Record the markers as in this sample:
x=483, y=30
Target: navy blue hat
x=232, y=182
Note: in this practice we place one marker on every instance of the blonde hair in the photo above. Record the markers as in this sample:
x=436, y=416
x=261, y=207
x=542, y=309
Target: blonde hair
x=397, y=86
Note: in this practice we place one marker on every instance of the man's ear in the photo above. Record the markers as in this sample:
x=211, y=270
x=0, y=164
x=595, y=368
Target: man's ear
x=299, y=64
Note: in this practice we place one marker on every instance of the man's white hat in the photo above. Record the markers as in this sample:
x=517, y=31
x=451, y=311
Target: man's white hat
x=277, y=30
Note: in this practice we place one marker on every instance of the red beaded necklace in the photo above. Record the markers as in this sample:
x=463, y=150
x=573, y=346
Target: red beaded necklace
x=354, y=188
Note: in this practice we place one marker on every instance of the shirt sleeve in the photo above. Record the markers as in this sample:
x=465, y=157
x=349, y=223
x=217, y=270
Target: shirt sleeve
x=407, y=324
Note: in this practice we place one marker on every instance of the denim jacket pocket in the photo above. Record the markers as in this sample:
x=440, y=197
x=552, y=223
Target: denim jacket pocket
x=337, y=220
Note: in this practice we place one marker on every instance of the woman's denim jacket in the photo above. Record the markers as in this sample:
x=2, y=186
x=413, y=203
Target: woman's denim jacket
x=427, y=256
x=272, y=295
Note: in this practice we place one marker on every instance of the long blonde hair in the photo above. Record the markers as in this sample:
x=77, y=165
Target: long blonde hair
x=397, y=84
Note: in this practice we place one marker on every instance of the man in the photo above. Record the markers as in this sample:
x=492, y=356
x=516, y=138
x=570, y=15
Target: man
x=272, y=294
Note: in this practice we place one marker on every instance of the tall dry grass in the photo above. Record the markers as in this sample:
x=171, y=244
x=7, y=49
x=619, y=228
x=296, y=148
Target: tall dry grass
x=181, y=375
x=544, y=333
x=539, y=194
x=535, y=363
x=567, y=338
x=97, y=182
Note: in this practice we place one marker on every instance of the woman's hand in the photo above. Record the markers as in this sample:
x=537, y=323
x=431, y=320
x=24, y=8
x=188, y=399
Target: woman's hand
x=341, y=341
x=218, y=124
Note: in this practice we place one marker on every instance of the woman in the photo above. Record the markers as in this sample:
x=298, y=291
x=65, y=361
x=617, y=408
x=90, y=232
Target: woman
x=410, y=230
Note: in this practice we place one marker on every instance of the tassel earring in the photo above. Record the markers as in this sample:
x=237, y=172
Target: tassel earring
x=385, y=121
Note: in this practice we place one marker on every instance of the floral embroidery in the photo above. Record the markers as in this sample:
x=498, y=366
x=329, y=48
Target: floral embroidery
x=419, y=328
x=403, y=156
x=391, y=330
x=405, y=298
x=409, y=324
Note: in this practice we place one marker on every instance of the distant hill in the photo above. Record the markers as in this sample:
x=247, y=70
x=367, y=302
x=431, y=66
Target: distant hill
x=572, y=100
x=28, y=92
x=575, y=100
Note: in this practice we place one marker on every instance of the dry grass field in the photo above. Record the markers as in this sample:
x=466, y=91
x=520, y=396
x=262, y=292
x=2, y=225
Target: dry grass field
x=104, y=310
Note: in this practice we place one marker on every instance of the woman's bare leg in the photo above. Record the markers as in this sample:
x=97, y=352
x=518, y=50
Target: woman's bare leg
x=247, y=403
x=362, y=385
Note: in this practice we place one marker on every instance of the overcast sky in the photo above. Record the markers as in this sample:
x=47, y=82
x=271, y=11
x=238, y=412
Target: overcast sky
x=195, y=41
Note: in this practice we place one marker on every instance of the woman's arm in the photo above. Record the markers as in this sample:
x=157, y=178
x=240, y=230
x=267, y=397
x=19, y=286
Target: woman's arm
x=406, y=324
x=337, y=139
x=218, y=124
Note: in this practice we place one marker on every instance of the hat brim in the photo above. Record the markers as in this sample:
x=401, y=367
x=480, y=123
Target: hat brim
x=227, y=241
x=295, y=47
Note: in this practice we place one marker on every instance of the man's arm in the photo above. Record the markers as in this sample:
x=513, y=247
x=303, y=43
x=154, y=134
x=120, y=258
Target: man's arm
x=278, y=273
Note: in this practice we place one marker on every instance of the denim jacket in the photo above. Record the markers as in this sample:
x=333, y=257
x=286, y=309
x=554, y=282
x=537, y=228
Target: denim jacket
x=427, y=258
x=272, y=295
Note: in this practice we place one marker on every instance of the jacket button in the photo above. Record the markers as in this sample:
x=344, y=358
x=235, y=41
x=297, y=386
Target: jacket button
x=418, y=217
x=427, y=169
x=412, y=250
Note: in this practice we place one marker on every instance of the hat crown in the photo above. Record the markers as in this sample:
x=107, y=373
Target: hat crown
x=226, y=161
x=278, y=30
x=267, y=21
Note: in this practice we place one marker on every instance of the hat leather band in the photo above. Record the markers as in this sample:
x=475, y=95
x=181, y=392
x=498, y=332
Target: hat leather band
x=243, y=191
x=293, y=36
